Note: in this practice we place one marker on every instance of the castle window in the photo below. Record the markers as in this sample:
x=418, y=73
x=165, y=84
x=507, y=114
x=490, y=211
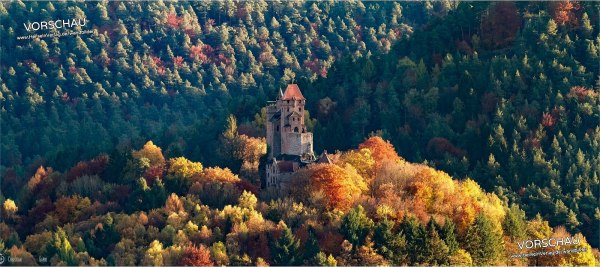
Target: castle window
x=278, y=128
x=295, y=129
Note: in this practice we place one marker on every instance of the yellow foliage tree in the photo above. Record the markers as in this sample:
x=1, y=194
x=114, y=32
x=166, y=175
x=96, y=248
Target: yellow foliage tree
x=247, y=200
x=154, y=255
x=152, y=152
x=460, y=258
x=9, y=207
x=582, y=257
x=362, y=160
x=433, y=188
x=425, y=192
x=183, y=167
x=486, y=203
x=249, y=152
x=538, y=228
x=216, y=174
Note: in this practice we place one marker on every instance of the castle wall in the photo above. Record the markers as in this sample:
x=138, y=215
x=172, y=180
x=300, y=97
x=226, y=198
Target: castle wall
x=276, y=143
x=270, y=137
x=306, y=143
x=277, y=180
x=272, y=172
x=299, y=143
x=294, y=143
x=273, y=137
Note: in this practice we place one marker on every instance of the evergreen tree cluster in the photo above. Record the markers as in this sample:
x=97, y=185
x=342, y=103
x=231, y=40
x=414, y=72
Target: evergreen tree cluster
x=519, y=116
x=170, y=72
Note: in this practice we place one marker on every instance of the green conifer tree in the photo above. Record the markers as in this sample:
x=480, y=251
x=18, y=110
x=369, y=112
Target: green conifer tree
x=356, y=226
x=483, y=242
x=286, y=249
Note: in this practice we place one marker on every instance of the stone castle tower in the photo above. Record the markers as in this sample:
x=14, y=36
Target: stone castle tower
x=286, y=133
x=290, y=145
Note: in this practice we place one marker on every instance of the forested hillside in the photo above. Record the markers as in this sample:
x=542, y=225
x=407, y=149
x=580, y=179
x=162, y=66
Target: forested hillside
x=506, y=95
x=170, y=72
x=368, y=207
x=455, y=131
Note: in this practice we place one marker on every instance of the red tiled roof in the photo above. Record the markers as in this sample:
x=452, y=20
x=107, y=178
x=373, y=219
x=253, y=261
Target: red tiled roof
x=292, y=92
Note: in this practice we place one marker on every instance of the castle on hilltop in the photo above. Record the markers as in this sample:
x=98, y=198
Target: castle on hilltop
x=290, y=145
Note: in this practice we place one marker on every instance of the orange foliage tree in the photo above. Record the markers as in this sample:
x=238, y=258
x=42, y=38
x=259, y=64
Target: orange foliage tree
x=381, y=150
x=340, y=186
x=71, y=208
x=564, y=12
x=196, y=256
x=251, y=148
x=37, y=178
x=582, y=94
x=174, y=204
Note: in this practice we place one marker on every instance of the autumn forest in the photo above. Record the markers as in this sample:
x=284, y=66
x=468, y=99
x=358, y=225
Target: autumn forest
x=454, y=132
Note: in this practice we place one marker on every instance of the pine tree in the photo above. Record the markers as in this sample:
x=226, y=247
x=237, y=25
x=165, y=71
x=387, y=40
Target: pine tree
x=286, y=249
x=311, y=248
x=483, y=242
x=356, y=226
x=449, y=236
x=572, y=221
x=514, y=223
x=586, y=25
x=416, y=240
x=61, y=247
x=389, y=244
x=437, y=251
x=551, y=27
x=323, y=260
